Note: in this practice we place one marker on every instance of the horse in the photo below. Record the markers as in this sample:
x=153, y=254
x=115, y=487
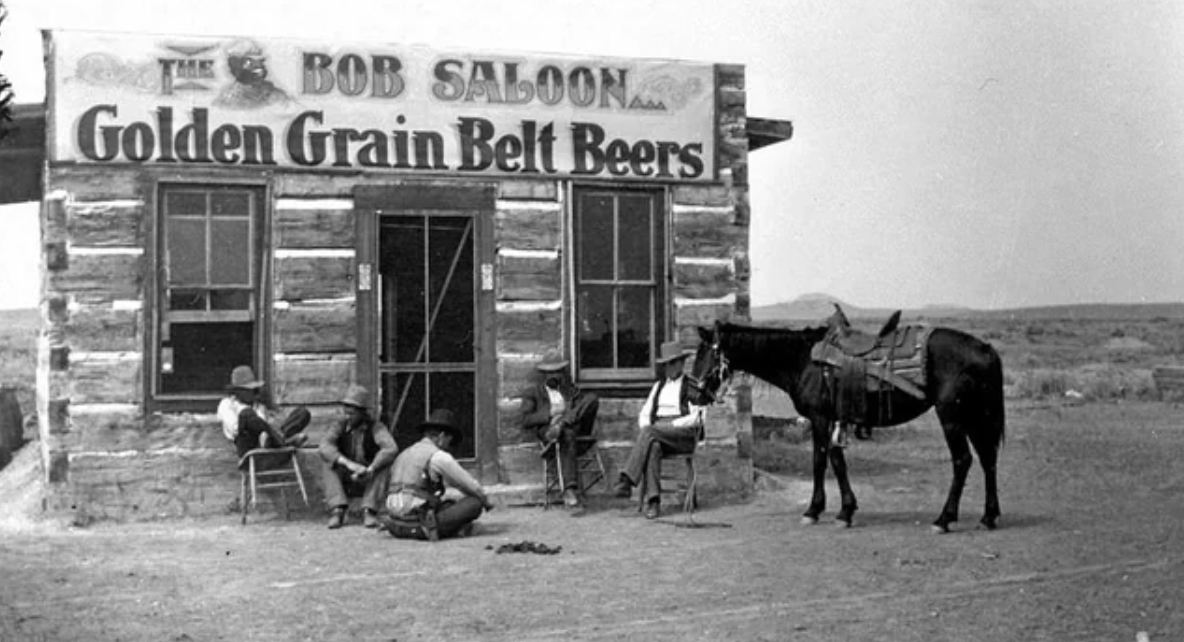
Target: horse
x=963, y=382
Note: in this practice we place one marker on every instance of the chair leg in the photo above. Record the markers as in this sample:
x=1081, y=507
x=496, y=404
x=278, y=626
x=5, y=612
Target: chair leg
x=546, y=483
x=242, y=495
x=254, y=487
x=691, y=502
x=300, y=480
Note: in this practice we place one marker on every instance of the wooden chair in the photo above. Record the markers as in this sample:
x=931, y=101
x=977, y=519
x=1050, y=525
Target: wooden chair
x=269, y=468
x=680, y=483
x=589, y=464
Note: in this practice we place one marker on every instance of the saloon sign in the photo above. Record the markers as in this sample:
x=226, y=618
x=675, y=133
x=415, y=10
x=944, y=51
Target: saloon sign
x=209, y=102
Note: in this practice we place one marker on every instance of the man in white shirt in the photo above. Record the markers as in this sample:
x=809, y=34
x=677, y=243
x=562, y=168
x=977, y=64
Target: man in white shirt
x=670, y=425
x=248, y=422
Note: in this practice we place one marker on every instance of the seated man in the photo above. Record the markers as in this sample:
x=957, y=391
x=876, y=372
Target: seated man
x=670, y=424
x=249, y=422
x=358, y=451
x=416, y=504
x=555, y=408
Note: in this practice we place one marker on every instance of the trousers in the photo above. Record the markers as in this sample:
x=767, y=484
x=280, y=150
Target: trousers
x=644, y=466
x=450, y=517
x=339, y=487
x=579, y=421
x=251, y=427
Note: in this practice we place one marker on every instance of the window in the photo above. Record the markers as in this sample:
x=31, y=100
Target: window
x=620, y=272
x=208, y=299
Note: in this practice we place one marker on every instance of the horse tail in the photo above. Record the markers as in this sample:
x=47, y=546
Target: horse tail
x=996, y=413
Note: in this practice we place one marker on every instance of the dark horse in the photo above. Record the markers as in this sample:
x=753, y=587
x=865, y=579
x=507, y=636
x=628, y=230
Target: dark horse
x=963, y=381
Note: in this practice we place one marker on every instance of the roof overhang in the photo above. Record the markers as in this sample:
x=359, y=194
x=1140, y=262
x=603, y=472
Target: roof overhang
x=763, y=132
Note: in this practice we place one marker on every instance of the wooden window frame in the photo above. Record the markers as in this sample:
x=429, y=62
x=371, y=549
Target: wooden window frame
x=157, y=290
x=630, y=380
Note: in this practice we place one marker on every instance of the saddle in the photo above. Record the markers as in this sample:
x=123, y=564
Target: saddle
x=857, y=344
x=861, y=363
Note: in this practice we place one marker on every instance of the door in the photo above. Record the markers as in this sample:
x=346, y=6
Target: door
x=428, y=312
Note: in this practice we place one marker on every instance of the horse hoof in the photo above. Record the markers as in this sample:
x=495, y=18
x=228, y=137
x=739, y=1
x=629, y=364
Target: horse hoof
x=940, y=529
x=989, y=524
x=809, y=521
x=843, y=523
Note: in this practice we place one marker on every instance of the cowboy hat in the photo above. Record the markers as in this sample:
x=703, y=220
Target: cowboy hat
x=243, y=377
x=553, y=361
x=443, y=419
x=672, y=350
x=356, y=396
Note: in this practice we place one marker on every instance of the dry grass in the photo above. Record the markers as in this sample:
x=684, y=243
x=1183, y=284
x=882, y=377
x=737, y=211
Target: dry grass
x=18, y=355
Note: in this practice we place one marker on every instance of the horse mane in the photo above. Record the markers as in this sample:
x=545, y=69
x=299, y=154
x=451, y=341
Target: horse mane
x=771, y=340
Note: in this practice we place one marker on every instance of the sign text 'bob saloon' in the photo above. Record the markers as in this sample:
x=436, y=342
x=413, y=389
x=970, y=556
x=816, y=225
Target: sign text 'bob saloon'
x=209, y=102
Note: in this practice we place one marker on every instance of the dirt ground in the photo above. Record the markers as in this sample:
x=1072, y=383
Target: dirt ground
x=1088, y=549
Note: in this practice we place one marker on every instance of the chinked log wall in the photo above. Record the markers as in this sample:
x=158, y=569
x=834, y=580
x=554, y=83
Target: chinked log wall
x=107, y=458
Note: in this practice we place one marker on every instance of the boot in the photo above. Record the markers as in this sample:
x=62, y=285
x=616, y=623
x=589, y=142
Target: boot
x=653, y=509
x=570, y=499
x=369, y=518
x=336, y=518
x=623, y=487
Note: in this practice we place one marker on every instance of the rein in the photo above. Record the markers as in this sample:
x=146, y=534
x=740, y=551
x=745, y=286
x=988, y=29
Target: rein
x=719, y=370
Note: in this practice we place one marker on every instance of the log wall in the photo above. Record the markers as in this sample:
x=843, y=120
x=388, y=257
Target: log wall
x=108, y=457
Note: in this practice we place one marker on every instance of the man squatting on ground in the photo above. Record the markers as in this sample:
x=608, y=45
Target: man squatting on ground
x=249, y=422
x=555, y=408
x=357, y=451
x=670, y=424
x=416, y=503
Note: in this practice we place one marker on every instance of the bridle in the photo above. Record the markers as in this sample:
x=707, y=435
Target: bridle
x=719, y=371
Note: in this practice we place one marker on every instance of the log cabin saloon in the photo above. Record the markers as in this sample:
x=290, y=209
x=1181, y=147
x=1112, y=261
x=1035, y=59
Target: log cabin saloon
x=426, y=223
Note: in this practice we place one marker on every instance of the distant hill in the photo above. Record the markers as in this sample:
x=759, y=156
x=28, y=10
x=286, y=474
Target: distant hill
x=816, y=307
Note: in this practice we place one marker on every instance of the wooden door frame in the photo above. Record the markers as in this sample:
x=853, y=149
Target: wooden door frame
x=478, y=200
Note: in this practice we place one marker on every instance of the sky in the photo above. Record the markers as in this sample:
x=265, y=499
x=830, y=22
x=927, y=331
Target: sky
x=990, y=154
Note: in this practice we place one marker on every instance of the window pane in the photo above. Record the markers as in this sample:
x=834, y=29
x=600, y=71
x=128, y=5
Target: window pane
x=596, y=327
x=634, y=320
x=187, y=252
x=230, y=203
x=185, y=203
x=635, y=253
x=187, y=300
x=230, y=249
x=230, y=300
x=204, y=354
x=595, y=238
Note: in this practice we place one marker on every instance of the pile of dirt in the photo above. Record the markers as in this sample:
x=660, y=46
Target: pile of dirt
x=527, y=546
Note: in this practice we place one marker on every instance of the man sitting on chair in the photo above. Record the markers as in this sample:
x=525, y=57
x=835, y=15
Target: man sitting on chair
x=670, y=425
x=555, y=408
x=357, y=451
x=416, y=502
x=249, y=422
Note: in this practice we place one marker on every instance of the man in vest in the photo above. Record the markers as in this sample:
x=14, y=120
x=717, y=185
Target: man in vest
x=249, y=422
x=416, y=503
x=357, y=452
x=554, y=408
x=670, y=424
